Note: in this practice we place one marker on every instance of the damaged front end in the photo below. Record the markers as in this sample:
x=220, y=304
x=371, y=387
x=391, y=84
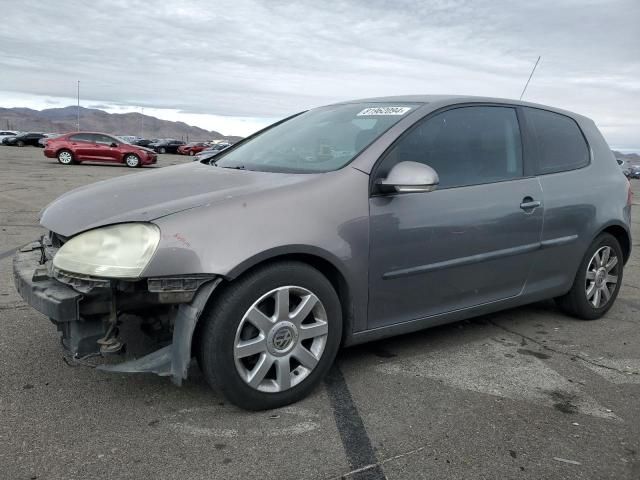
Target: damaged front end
x=90, y=312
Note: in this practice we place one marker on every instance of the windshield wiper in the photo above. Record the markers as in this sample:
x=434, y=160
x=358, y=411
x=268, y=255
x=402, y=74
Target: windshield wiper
x=235, y=167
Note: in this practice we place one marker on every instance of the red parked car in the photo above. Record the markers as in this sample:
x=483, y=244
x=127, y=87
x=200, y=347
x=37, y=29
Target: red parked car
x=97, y=147
x=192, y=148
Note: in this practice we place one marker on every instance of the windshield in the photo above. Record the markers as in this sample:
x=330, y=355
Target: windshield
x=316, y=141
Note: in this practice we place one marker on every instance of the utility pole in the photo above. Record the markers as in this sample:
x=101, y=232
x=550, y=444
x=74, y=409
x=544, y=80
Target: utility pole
x=142, y=124
x=78, y=105
x=527, y=84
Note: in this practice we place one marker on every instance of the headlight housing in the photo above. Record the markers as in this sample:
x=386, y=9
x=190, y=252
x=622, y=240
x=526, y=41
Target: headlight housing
x=116, y=251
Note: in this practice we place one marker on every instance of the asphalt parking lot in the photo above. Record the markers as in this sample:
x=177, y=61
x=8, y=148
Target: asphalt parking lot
x=527, y=393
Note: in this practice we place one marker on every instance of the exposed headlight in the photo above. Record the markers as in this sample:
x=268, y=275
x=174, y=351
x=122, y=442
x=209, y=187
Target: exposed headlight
x=117, y=251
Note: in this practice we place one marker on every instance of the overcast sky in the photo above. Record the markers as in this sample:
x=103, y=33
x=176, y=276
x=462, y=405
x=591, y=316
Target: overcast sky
x=234, y=66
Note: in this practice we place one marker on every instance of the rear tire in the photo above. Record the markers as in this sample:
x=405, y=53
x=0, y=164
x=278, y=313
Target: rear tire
x=65, y=157
x=162, y=150
x=191, y=154
x=20, y=143
x=597, y=282
x=295, y=346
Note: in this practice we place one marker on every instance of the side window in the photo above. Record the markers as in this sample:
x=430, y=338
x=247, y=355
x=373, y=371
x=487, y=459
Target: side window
x=465, y=146
x=560, y=143
x=104, y=139
x=81, y=137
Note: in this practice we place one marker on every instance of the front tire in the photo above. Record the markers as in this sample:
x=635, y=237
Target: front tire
x=597, y=282
x=162, y=150
x=65, y=157
x=191, y=154
x=20, y=143
x=271, y=336
x=132, y=161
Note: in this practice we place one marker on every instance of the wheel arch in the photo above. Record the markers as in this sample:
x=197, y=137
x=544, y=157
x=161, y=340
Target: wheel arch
x=60, y=149
x=66, y=149
x=130, y=152
x=323, y=261
x=621, y=233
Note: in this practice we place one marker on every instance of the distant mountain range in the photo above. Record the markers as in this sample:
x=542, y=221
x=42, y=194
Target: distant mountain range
x=62, y=120
x=632, y=158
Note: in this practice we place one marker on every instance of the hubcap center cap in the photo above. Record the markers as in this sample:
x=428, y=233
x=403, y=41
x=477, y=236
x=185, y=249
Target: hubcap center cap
x=282, y=338
x=601, y=275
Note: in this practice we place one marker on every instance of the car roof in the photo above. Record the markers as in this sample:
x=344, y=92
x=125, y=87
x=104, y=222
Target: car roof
x=96, y=133
x=454, y=99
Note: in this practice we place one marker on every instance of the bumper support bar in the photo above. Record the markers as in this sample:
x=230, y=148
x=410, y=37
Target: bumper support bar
x=172, y=360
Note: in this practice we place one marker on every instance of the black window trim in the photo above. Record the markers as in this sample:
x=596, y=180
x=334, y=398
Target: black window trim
x=527, y=171
x=534, y=154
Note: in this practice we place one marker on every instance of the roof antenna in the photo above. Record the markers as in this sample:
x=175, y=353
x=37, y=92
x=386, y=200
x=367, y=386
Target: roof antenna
x=527, y=84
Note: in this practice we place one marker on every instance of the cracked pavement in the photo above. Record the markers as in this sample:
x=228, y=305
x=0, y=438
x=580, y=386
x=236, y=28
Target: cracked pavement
x=526, y=393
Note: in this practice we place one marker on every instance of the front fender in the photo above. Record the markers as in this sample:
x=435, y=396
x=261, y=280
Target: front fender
x=283, y=250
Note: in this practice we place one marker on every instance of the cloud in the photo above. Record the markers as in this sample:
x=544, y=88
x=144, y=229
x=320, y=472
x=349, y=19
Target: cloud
x=247, y=58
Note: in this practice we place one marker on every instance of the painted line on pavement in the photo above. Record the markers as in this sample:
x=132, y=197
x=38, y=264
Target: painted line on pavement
x=8, y=253
x=355, y=440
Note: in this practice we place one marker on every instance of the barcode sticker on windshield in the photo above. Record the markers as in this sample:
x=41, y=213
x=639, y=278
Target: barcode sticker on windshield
x=384, y=111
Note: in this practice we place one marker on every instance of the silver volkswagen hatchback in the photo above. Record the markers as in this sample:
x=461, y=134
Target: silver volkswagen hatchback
x=339, y=225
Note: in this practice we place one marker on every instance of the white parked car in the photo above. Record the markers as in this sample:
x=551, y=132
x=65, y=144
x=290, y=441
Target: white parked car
x=7, y=133
x=128, y=138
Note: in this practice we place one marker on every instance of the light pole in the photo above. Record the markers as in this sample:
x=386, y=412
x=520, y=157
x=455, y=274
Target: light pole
x=142, y=124
x=78, y=105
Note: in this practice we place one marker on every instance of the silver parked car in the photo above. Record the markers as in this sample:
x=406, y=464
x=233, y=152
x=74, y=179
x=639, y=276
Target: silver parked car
x=340, y=225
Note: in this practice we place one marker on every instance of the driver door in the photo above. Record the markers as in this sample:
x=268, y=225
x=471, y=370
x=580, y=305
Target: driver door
x=105, y=152
x=468, y=243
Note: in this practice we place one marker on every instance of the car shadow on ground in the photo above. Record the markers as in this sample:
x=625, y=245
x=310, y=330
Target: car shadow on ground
x=398, y=349
x=102, y=164
x=450, y=333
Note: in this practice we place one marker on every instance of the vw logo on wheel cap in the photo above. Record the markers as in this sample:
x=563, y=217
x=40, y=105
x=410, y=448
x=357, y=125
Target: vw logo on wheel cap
x=282, y=338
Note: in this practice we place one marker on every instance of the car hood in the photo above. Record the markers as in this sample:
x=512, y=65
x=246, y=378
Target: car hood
x=149, y=195
x=206, y=154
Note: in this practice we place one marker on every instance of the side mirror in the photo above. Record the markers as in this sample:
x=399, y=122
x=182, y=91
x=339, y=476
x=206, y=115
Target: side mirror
x=113, y=144
x=408, y=177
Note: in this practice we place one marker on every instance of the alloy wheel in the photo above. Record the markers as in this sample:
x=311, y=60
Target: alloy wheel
x=602, y=277
x=280, y=339
x=132, y=160
x=65, y=158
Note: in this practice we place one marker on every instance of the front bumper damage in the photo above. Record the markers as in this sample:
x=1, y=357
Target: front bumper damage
x=89, y=311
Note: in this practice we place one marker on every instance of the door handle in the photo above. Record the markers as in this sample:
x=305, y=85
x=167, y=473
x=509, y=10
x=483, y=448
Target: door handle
x=529, y=203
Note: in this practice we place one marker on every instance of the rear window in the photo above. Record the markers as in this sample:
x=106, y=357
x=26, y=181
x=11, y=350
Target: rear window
x=560, y=143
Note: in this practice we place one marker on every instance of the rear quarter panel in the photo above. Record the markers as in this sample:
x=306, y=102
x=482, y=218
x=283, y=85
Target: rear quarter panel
x=578, y=205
